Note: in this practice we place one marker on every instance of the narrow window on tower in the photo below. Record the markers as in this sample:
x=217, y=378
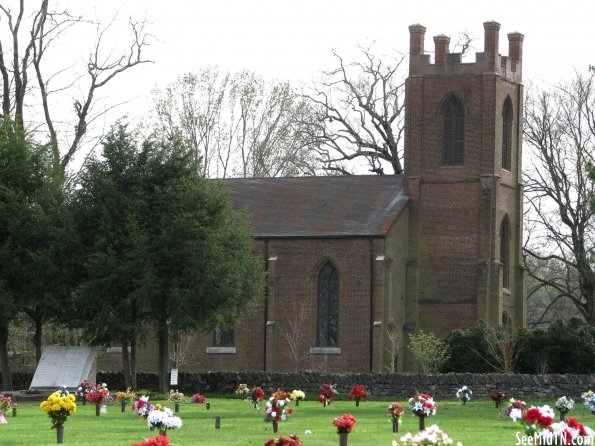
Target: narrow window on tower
x=453, y=131
x=505, y=252
x=328, y=306
x=507, y=134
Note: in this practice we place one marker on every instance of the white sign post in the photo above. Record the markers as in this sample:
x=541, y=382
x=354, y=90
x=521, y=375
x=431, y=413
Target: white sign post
x=173, y=380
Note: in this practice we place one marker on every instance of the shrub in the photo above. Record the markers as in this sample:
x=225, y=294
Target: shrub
x=469, y=351
x=429, y=350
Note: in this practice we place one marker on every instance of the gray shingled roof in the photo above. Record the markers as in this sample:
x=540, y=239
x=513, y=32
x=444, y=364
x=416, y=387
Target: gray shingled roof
x=344, y=206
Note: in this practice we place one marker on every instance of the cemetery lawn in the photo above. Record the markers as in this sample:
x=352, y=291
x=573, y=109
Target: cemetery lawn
x=475, y=424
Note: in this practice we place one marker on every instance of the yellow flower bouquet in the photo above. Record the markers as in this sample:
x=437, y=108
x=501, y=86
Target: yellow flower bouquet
x=176, y=397
x=59, y=406
x=129, y=395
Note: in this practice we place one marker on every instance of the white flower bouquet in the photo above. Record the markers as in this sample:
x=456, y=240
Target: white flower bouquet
x=163, y=419
x=564, y=404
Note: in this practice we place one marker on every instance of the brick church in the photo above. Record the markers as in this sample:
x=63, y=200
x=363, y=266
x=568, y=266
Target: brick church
x=355, y=264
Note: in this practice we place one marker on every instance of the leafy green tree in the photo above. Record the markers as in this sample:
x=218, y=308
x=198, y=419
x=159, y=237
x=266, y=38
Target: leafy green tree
x=50, y=275
x=108, y=207
x=163, y=246
x=30, y=230
x=566, y=346
x=429, y=350
x=469, y=350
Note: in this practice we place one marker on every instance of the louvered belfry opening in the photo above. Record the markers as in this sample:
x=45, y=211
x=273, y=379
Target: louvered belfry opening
x=453, y=116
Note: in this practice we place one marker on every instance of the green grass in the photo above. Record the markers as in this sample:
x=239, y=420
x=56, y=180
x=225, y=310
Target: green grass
x=477, y=423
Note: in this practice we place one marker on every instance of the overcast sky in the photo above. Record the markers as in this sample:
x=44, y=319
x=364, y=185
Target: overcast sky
x=293, y=39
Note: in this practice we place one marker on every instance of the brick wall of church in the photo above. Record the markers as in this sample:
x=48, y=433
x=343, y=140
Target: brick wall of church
x=293, y=300
x=293, y=267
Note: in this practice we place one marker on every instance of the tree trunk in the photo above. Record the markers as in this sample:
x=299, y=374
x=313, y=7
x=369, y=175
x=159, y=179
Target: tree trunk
x=590, y=317
x=37, y=339
x=163, y=342
x=133, y=362
x=125, y=362
x=133, y=346
x=4, y=367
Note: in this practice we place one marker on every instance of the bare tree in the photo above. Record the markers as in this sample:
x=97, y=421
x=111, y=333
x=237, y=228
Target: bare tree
x=464, y=43
x=560, y=133
x=392, y=346
x=544, y=303
x=295, y=335
x=31, y=38
x=502, y=347
x=358, y=115
x=181, y=352
x=238, y=125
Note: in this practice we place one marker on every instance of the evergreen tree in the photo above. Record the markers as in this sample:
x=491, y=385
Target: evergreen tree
x=162, y=246
x=32, y=274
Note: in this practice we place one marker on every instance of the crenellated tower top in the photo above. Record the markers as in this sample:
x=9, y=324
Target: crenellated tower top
x=489, y=61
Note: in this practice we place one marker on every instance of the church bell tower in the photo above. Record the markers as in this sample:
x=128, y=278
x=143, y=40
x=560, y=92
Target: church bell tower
x=463, y=158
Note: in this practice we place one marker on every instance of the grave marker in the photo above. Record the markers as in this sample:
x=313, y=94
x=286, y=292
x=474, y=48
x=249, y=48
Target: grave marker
x=64, y=366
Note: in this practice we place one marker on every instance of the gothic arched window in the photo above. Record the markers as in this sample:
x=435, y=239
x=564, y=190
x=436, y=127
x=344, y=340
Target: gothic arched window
x=505, y=252
x=453, y=131
x=507, y=134
x=328, y=306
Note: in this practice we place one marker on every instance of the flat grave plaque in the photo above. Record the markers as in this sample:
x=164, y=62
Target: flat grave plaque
x=63, y=366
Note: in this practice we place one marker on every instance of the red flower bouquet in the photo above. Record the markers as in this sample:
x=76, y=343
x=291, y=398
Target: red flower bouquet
x=344, y=423
x=98, y=394
x=83, y=388
x=422, y=405
x=277, y=409
x=395, y=411
x=197, y=398
x=580, y=428
x=537, y=418
x=539, y=425
x=357, y=393
x=141, y=407
x=327, y=393
x=257, y=395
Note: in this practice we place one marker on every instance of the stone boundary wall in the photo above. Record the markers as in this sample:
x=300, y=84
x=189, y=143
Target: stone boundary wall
x=399, y=385
x=402, y=385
